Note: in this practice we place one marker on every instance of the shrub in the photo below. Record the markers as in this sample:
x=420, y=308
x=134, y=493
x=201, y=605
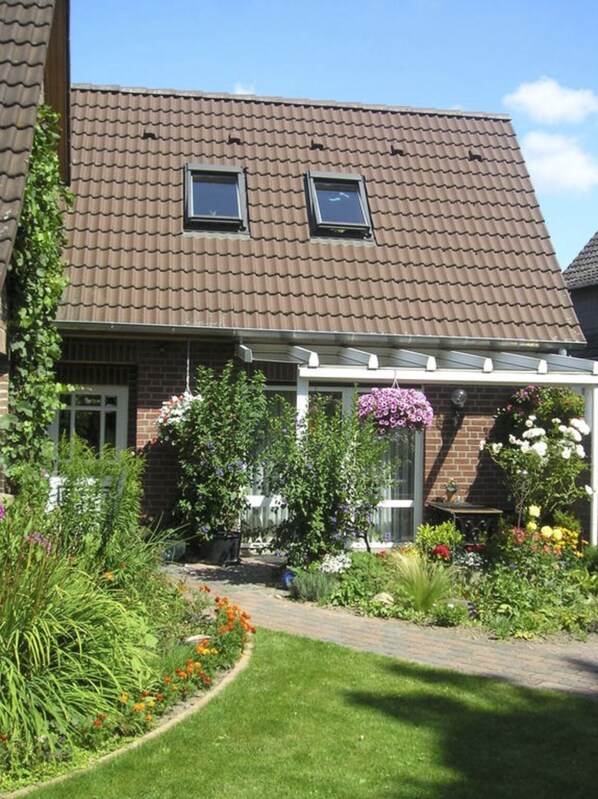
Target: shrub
x=368, y=575
x=430, y=536
x=216, y=435
x=312, y=586
x=537, y=442
x=330, y=474
x=449, y=614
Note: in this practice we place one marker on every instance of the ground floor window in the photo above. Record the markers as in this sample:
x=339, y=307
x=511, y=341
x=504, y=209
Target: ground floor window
x=398, y=514
x=97, y=414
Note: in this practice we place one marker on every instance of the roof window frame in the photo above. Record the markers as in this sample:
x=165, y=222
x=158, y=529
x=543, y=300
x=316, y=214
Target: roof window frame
x=194, y=221
x=336, y=229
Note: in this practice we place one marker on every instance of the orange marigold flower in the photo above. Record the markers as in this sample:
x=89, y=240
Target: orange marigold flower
x=97, y=723
x=207, y=680
x=138, y=707
x=144, y=694
x=159, y=697
x=101, y=716
x=167, y=680
x=148, y=717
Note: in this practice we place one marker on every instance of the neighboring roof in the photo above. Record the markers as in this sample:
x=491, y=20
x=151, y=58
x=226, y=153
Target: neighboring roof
x=24, y=36
x=583, y=270
x=460, y=251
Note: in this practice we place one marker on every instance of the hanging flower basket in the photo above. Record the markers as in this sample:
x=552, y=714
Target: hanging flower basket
x=396, y=408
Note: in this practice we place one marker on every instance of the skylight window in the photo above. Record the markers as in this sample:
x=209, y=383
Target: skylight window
x=215, y=197
x=338, y=204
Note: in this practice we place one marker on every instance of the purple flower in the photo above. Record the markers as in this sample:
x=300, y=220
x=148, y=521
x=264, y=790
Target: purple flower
x=2, y=512
x=36, y=538
x=396, y=408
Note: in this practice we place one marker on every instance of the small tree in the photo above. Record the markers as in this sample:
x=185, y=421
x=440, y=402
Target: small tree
x=330, y=471
x=216, y=436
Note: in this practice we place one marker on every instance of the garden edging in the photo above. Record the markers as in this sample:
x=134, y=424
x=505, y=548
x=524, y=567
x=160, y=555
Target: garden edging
x=174, y=715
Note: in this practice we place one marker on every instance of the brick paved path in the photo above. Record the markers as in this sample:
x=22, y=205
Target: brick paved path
x=564, y=666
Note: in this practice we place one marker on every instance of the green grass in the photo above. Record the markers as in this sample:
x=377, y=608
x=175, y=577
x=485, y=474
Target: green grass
x=309, y=719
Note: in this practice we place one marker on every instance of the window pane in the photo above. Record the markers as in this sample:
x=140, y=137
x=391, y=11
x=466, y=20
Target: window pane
x=340, y=203
x=64, y=424
x=111, y=400
x=87, y=427
x=394, y=524
x=402, y=451
x=110, y=428
x=215, y=195
x=88, y=400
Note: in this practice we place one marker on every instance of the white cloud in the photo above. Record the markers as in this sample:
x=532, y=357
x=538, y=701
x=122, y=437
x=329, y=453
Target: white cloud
x=547, y=102
x=558, y=164
x=243, y=88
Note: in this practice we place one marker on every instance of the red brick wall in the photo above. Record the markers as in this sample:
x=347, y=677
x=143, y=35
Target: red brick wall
x=452, y=451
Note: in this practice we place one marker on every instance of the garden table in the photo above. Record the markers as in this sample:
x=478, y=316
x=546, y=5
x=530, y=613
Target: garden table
x=472, y=521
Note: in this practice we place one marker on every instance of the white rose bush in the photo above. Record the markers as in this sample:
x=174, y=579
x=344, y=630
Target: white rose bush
x=544, y=465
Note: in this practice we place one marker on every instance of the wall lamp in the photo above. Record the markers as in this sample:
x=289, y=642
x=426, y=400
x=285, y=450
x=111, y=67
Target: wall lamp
x=458, y=400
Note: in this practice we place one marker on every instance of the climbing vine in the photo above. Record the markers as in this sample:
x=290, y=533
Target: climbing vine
x=35, y=283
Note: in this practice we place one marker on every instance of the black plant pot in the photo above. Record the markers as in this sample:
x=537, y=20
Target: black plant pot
x=223, y=549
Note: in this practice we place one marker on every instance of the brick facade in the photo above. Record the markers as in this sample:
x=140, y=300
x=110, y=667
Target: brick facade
x=156, y=370
x=452, y=449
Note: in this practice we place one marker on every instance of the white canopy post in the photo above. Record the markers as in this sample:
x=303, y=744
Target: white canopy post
x=593, y=421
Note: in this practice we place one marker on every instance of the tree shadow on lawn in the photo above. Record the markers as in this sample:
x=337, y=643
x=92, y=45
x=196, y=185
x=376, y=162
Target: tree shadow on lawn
x=502, y=742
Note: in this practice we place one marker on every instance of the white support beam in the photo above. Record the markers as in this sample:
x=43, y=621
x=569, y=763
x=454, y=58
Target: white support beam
x=465, y=360
x=514, y=361
x=351, y=355
x=407, y=358
x=567, y=363
x=244, y=353
x=304, y=356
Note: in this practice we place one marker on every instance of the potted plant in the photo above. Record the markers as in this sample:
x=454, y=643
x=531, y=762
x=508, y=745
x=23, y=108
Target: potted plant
x=396, y=408
x=216, y=434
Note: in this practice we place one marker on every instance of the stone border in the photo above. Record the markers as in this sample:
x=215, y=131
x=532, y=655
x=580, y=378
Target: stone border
x=174, y=715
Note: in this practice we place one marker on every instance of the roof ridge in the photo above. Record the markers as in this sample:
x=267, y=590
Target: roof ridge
x=291, y=101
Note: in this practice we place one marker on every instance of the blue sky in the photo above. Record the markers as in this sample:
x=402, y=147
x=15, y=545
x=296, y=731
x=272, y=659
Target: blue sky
x=536, y=60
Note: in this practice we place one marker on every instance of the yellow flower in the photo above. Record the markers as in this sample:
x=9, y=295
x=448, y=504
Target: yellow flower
x=557, y=534
x=531, y=527
x=108, y=576
x=546, y=531
x=533, y=511
x=124, y=698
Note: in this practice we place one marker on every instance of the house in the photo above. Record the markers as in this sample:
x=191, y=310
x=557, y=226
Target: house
x=34, y=68
x=581, y=277
x=330, y=245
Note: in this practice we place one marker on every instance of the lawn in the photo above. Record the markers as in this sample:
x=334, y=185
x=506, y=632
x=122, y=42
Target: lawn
x=310, y=719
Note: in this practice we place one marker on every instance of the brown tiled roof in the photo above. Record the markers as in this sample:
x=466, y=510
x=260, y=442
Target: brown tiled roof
x=583, y=270
x=24, y=35
x=460, y=249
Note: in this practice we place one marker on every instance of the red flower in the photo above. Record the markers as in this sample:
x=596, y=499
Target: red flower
x=441, y=551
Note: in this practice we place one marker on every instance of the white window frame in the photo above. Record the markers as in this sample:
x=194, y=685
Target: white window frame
x=122, y=412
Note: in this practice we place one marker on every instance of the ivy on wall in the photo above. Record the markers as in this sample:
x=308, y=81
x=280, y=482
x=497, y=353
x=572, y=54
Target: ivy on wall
x=35, y=283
